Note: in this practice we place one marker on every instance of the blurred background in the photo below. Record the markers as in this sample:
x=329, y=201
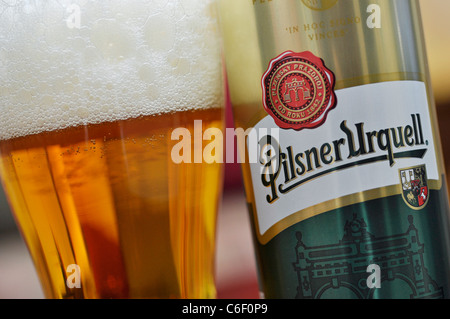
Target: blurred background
x=235, y=262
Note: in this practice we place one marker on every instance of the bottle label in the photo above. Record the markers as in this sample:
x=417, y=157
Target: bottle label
x=376, y=142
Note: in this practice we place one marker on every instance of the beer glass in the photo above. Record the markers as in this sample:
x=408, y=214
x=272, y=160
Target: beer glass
x=90, y=92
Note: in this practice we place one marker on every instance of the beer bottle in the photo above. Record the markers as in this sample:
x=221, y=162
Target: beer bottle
x=343, y=167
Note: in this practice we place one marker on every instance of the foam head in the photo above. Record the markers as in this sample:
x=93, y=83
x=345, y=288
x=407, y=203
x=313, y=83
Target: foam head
x=68, y=63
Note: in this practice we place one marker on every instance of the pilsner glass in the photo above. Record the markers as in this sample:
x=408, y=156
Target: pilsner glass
x=90, y=92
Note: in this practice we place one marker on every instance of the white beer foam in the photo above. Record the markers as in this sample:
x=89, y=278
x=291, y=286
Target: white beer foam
x=66, y=63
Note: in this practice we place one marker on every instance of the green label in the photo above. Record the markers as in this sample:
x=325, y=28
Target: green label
x=376, y=249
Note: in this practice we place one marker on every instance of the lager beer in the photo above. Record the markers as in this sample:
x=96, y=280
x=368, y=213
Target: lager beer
x=90, y=93
x=348, y=199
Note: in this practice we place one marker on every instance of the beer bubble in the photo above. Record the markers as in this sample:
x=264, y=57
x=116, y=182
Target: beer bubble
x=91, y=56
x=159, y=32
x=78, y=43
x=47, y=100
x=51, y=16
x=159, y=3
x=178, y=13
x=112, y=41
x=131, y=11
x=28, y=9
x=12, y=3
x=24, y=96
x=4, y=90
x=183, y=67
x=146, y=73
x=152, y=92
x=75, y=80
x=190, y=7
x=81, y=3
x=82, y=112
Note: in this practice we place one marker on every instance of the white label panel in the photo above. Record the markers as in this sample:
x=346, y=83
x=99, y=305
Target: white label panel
x=387, y=123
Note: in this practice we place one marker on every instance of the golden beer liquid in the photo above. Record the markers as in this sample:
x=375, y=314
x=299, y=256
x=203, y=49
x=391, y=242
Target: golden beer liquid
x=108, y=198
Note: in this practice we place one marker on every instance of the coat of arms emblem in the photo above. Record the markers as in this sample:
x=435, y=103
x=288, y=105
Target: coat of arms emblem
x=414, y=183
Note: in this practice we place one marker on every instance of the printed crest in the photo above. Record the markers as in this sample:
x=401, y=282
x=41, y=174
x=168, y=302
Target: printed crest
x=414, y=183
x=298, y=90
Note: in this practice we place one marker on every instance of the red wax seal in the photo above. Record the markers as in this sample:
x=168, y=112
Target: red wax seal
x=298, y=90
